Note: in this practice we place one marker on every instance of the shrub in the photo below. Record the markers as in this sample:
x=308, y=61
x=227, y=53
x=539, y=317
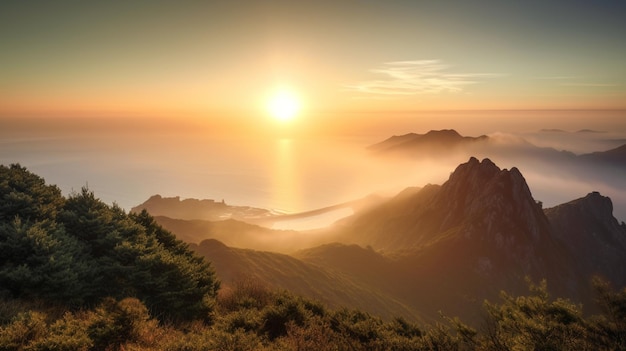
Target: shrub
x=115, y=323
x=244, y=293
x=286, y=309
x=66, y=334
x=24, y=328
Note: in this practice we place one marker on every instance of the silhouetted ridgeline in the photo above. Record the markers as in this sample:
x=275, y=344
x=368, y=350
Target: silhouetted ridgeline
x=191, y=209
x=449, y=143
x=433, y=143
x=546, y=168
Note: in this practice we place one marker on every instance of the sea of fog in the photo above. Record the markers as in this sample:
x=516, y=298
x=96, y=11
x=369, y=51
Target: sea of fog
x=128, y=164
x=282, y=173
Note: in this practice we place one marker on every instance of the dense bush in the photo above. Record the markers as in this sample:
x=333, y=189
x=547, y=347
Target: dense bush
x=78, y=251
x=287, y=322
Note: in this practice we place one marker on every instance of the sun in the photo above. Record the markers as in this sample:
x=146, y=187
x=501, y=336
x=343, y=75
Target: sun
x=283, y=105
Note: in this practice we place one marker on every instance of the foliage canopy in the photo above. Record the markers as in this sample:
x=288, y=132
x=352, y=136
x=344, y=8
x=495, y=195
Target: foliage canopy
x=77, y=251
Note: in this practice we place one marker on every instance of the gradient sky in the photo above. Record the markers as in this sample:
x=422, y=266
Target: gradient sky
x=199, y=57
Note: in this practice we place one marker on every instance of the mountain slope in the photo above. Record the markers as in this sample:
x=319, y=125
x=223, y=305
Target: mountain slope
x=331, y=286
x=615, y=157
x=481, y=232
x=478, y=199
x=587, y=228
x=239, y=234
x=438, y=248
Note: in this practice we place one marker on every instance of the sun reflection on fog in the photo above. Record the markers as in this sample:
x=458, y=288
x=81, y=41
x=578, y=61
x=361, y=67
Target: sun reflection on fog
x=286, y=191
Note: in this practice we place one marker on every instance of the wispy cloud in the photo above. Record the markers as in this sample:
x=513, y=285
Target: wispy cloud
x=591, y=85
x=416, y=78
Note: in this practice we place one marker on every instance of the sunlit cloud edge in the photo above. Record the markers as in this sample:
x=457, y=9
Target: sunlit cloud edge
x=416, y=77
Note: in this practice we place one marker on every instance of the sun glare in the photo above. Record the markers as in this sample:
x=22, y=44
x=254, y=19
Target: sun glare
x=283, y=105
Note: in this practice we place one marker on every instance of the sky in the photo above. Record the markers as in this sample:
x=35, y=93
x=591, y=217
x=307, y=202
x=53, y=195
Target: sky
x=225, y=58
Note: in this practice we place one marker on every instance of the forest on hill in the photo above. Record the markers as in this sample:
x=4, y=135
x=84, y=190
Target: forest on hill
x=78, y=274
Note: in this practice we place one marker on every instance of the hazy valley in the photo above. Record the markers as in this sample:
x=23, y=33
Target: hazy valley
x=429, y=248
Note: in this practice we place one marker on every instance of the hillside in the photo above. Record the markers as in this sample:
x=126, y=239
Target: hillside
x=615, y=157
x=482, y=232
x=441, y=247
x=332, y=286
x=240, y=234
x=592, y=235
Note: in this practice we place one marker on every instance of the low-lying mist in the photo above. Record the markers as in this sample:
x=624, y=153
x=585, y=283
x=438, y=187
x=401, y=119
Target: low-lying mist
x=555, y=174
x=128, y=163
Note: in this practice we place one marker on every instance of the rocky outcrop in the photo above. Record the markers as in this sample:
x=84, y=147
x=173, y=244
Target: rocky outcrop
x=591, y=234
x=490, y=200
x=478, y=201
x=482, y=232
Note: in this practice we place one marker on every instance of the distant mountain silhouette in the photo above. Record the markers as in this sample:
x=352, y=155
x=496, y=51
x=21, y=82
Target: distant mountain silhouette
x=433, y=142
x=213, y=211
x=564, y=131
x=198, y=209
x=614, y=157
x=448, y=147
x=448, y=144
x=552, y=130
x=590, y=131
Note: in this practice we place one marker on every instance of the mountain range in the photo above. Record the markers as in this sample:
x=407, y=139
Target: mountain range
x=447, y=142
x=440, y=248
x=548, y=168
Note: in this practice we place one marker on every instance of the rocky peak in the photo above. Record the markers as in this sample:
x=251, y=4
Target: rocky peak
x=483, y=180
x=498, y=198
x=598, y=206
x=588, y=216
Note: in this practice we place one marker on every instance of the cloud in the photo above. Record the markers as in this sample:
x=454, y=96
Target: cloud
x=417, y=77
x=590, y=85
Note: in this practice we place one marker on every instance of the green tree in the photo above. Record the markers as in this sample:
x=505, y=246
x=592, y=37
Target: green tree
x=609, y=328
x=26, y=195
x=39, y=260
x=533, y=322
x=80, y=250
